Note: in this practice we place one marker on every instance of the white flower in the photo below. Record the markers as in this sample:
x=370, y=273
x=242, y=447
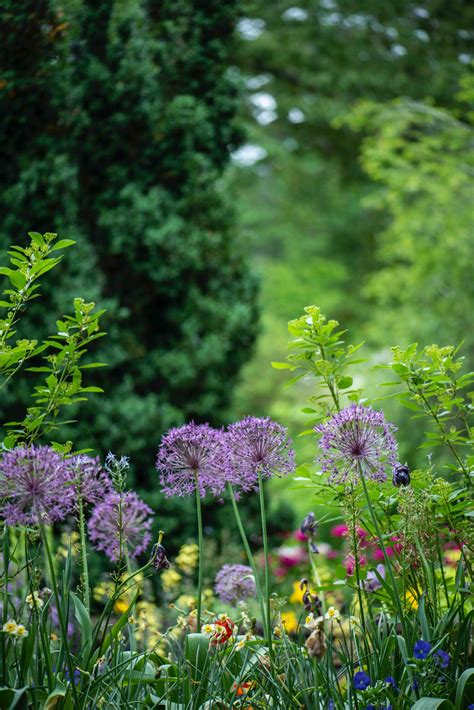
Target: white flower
x=10, y=627
x=332, y=613
x=312, y=621
x=209, y=629
x=21, y=631
x=240, y=645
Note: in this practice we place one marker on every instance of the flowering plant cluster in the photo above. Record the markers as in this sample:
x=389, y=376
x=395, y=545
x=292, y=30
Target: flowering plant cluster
x=365, y=606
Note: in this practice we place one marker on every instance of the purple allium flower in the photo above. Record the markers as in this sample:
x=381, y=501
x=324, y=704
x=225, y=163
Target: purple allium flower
x=190, y=455
x=421, y=649
x=357, y=436
x=258, y=446
x=372, y=582
x=361, y=680
x=90, y=479
x=442, y=658
x=234, y=584
x=35, y=484
x=121, y=517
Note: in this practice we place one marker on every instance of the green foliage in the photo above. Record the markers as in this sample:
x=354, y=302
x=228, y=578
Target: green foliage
x=126, y=156
x=63, y=377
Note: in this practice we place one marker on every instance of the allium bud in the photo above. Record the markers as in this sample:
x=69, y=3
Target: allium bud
x=158, y=557
x=401, y=475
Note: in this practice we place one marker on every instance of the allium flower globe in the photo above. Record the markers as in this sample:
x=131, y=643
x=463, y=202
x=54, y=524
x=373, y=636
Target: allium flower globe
x=234, y=584
x=357, y=439
x=258, y=446
x=91, y=481
x=35, y=485
x=192, y=456
x=121, y=523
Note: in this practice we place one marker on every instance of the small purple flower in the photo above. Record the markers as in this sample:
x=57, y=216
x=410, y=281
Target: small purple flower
x=192, y=456
x=372, y=582
x=421, y=649
x=370, y=707
x=331, y=704
x=35, y=484
x=442, y=658
x=121, y=523
x=91, y=481
x=357, y=437
x=361, y=680
x=234, y=584
x=258, y=447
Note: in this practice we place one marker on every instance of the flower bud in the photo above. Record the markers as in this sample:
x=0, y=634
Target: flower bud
x=401, y=475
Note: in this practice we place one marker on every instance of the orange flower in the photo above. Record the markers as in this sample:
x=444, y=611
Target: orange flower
x=243, y=688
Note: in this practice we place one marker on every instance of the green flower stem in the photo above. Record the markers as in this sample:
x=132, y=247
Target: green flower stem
x=62, y=623
x=267, y=567
x=388, y=564
x=248, y=551
x=86, y=592
x=6, y=563
x=201, y=561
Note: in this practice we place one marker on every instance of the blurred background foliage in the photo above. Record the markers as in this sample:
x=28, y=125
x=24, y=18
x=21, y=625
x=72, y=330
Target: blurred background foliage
x=193, y=149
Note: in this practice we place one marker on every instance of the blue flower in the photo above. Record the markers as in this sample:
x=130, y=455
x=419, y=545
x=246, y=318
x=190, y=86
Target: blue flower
x=331, y=704
x=442, y=658
x=370, y=707
x=390, y=680
x=421, y=649
x=361, y=680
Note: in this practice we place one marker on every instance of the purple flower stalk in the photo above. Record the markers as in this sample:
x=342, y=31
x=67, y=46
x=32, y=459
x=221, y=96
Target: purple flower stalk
x=91, y=481
x=234, y=584
x=258, y=446
x=192, y=456
x=121, y=523
x=357, y=438
x=35, y=483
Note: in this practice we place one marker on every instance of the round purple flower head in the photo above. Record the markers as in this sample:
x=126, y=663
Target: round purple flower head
x=35, y=483
x=234, y=584
x=91, y=482
x=121, y=523
x=258, y=446
x=357, y=436
x=189, y=456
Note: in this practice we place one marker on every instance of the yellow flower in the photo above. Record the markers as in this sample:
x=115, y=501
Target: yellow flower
x=34, y=600
x=289, y=621
x=21, y=631
x=411, y=600
x=170, y=580
x=10, y=627
x=297, y=595
x=120, y=606
x=186, y=601
x=187, y=558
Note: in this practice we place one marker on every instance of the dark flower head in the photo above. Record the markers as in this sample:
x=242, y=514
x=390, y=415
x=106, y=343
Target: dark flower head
x=258, y=447
x=121, y=523
x=91, y=481
x=158, y=557
x=35, y=484
x=309, y=525
x=192, y=456
x=357, y=438
x=361, y=680
x=234, y=584
x=442, y=658
x=421, y=649
x=401, y=475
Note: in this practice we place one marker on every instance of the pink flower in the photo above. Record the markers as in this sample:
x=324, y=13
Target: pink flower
x=340, y=530
x=298, y=535
x=280, y=572
x=350, y=565
x=378, y=553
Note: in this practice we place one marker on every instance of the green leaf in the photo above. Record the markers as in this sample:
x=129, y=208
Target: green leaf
x=344, y=382
x=282, y=366
x=63, y=244
x=465, y=690
x=432, y=704
x=83, y=618
x=9, y=698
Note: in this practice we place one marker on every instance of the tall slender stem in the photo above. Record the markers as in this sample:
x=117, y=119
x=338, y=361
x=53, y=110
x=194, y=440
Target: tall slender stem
x=267, y=567
x=388, y=564
x=62, y=622
x=85, y=569
x=6, y=564
x=201, y=561
x=248, y=551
